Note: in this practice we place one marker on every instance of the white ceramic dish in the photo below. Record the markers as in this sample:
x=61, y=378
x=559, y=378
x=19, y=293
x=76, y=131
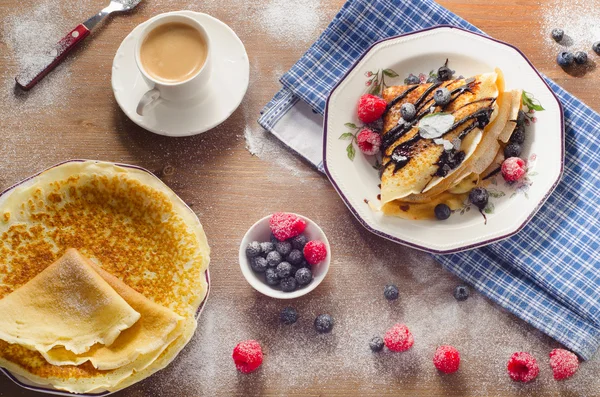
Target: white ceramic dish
x=261, y=231
x=228, y=84
x=469, y=54
x=46, y=389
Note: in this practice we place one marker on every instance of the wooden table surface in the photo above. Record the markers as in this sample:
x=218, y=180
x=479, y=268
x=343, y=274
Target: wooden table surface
x=229, y=189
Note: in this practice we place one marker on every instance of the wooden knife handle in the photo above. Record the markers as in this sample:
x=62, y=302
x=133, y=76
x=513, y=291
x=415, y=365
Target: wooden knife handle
x=31, y=75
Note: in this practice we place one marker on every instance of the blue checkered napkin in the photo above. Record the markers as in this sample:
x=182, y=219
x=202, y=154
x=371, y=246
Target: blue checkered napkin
x=549, y=273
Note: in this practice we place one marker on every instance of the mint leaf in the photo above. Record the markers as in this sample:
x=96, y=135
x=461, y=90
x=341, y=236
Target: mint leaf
x=351, y=125
x=347, y=135
x=530, y=101
x=350, y=151
x=390, y=73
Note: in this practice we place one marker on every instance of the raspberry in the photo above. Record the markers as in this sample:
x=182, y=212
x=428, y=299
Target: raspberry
x=370, y=108
x=513, y=169
x=369, y=141
x=564, y=363
x=522, y=367
x=398, y=338
x=285, y=226
x=315, y=252
x=446, y=359
x=247, y=356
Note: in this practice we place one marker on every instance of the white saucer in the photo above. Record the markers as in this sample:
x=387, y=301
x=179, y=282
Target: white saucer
x=228, y=84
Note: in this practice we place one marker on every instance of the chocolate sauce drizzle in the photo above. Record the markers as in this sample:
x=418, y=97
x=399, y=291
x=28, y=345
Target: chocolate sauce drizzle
x=400, y=97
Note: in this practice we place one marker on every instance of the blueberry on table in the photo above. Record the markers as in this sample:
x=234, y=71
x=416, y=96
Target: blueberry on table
x=518, y=135
x=303, y=276
x=565, y=59
x=323, y=323
x=558, y=34
x=253, y=249
x=461, y=293
x=259, y=264
x=596, y=47
x=442, y=212
x=512, y=150
x=271, y=277
x=581, y=58
x=479, y=197
x=376, y=344
x=441, y=96
x=391, y=292
x=284, y=270
x=274, y=258
x=288, y=284
x=288, y=316
x=408, y=111
x=283, y=247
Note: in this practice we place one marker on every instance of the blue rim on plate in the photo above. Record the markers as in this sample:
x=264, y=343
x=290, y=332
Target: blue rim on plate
x=417, y=246
x=45, y=389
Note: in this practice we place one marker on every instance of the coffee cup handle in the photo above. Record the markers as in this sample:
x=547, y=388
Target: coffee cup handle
x=149, y=100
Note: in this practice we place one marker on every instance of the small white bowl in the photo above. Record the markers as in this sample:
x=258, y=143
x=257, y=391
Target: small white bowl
x=260, y=232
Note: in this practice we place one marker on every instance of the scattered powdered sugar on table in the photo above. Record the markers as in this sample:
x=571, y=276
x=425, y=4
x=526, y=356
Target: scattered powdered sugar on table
x=291, y=20
x=580, y=19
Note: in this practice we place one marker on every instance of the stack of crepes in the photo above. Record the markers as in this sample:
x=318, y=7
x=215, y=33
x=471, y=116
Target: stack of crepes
x=420, y=172
x=116, y=309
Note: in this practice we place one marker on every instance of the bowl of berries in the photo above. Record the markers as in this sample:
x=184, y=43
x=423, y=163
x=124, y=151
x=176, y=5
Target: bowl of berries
x=284, y=255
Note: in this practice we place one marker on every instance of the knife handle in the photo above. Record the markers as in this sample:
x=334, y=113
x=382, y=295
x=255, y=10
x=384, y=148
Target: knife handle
x=31, y=75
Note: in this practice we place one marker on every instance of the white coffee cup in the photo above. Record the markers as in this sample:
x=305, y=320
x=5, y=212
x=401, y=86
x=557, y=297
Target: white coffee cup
x=172, y=91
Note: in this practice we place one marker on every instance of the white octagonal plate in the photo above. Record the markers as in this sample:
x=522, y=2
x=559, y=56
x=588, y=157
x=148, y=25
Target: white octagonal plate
x=469, y=54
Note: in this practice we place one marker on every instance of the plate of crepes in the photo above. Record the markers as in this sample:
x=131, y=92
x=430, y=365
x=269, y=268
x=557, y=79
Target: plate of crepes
x=443, y=139
x=103, y=275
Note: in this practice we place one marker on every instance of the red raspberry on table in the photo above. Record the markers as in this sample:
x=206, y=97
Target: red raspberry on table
x=522, y=367
x=446, y=359
x=370, y=108
x=315, y=251
x=247, y=356
x=513, y=169
x=398, y=338
x=369, y=141
x=564, y=363
x=285, y=226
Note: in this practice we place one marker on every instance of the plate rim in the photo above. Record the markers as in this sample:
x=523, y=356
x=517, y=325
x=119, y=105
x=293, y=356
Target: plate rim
x=46, y=388
x=459, y=248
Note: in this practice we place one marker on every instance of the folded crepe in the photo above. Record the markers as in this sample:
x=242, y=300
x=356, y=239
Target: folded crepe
x=150, y=333
x=67, y=306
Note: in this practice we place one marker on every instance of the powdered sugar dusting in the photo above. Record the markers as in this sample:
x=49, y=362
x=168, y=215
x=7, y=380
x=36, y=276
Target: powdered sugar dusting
x=289, y=24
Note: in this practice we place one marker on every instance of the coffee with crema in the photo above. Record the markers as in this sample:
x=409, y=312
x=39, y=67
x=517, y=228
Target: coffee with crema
x=173, y=52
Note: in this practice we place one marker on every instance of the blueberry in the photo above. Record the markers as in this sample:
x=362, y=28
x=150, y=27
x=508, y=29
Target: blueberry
x=596, y=47
x=299, y=242
x=288, y=316
x=512, y=150
x=283, y=247
x=376, y=344
x=390, y=292
x=271, y=276
x=558, y=34
x=284, y=270
x=444, y=73
x=274, y=258
x=323, y=323
x=266, y=247
x=441, y=96
x=295, y=257
x=303, y=276
x=412, y=79
x=253, y=249
x=521, y=118
x=259, y=264
x=461, y=293
x=479, y=197
x=305, y=264
x=580, y=57
x=408, y=111
x=288, y=284
x=442, y=212
x=432, y=79
x=518, y=135
x=565, y=59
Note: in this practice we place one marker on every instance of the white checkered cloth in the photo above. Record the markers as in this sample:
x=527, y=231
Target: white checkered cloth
x=549, y=273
